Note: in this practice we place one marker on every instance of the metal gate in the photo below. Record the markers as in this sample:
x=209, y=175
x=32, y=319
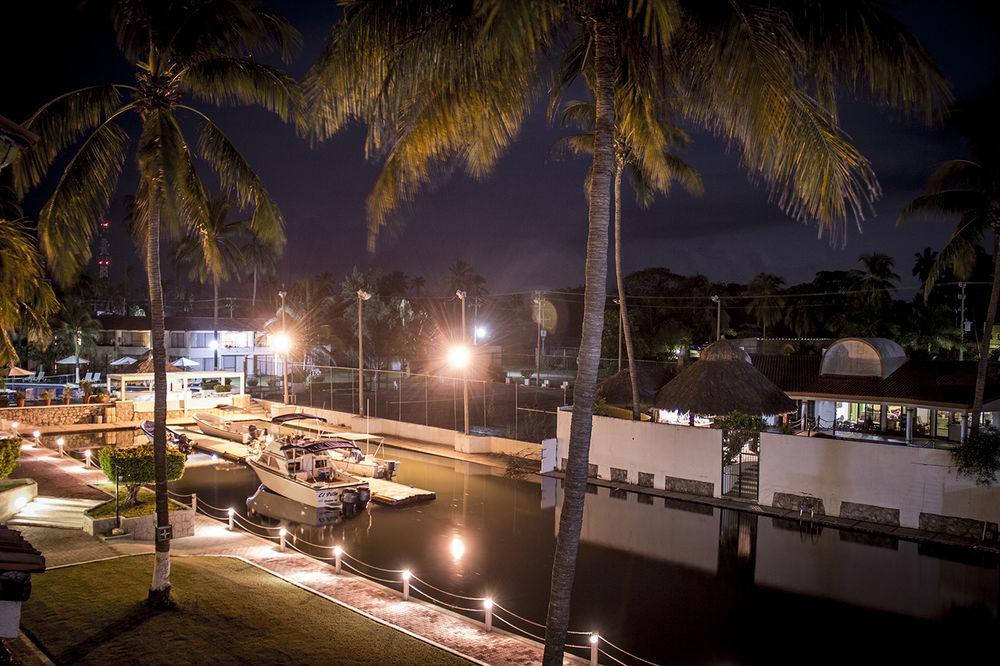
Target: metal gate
x=740, y=465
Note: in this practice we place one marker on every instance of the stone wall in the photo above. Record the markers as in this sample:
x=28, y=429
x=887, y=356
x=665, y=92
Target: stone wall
x=143, y=528
x=56, y=415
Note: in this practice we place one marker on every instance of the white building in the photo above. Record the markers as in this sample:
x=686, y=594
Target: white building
x=243, y=346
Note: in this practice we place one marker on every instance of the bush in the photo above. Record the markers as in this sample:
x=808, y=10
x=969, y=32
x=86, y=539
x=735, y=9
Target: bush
x=10, y=451
x=978, y=457
x=135, y=467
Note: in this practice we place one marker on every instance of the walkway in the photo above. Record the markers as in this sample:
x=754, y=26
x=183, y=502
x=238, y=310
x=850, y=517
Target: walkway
x=424, y=620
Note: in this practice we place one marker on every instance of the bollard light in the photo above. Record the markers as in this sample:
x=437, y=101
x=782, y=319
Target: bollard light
x=338, y=552
x=488, y=607
x=61, y=442
x=282, y=533
x=594, y=647
x=86, y=457
x=13, y=426
x=36, y=434
x=406, y=584
x=231, y=512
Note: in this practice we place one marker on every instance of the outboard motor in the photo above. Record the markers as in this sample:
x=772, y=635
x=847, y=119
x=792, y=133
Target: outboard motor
x=364, y=495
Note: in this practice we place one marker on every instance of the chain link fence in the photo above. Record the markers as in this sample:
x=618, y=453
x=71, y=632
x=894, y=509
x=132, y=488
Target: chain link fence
x=512, y=410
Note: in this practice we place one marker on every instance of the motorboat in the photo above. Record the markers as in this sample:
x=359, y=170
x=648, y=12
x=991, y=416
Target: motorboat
x=349, y=456
x=303, y=470
x=176, y=439
x=230, y=423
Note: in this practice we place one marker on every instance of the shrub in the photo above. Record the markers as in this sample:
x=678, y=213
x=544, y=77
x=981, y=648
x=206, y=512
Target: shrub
x=739, y=430
x=87, y=388
x=978, y=457
x=223, y=388
x=135, y=467
x=10, y=451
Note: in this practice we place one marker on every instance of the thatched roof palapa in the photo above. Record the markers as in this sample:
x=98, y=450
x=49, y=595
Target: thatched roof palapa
x=722, y=381
x=617, y=389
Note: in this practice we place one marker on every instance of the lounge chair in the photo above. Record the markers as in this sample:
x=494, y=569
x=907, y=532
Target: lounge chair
x=97, y=377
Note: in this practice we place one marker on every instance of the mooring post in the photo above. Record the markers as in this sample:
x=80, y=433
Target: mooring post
x=194, y=502
x=594, y=648
x=488, y=607
x=406, y=584
x=232, y=512
x=337, y=554
x=282, y=533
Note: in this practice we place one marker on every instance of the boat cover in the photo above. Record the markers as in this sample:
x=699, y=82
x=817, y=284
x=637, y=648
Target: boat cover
x=285, y=418
x=319, y=445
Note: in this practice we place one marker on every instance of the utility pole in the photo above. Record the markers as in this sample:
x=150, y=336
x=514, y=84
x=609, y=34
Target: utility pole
x=718, y=317
x=620, y=322
x=538, y=341
x=284, y=362
x=961, y=301
x=465, y=369
x=362, y=297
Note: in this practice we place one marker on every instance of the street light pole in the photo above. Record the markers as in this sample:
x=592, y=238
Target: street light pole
x=718, y=317
x=538, y=341
x=465, y=369
x=362, y=297
x=284, y=361
x=618, y=303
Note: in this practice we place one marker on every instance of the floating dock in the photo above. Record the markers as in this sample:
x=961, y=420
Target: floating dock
x=384, y=492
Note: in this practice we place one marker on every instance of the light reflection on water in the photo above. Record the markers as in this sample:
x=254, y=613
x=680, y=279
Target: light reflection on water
x=673, y=581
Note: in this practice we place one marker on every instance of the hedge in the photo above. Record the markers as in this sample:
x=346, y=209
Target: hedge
x=10, y=451
x=135, y=466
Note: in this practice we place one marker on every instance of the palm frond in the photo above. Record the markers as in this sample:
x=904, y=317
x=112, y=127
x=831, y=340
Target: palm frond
x=239, y=180
x=67, y=221
x=28, y=300
x=948, y=202
x=59, y=124
x=226, y=80
x=959, y=253
x=956, y=173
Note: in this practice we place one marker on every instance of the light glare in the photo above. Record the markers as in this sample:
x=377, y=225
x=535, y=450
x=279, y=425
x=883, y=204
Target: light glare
x=459, y=356
x=281, y=342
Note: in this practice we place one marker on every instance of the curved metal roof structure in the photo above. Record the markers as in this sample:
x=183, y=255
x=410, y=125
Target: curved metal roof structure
x=862, y=357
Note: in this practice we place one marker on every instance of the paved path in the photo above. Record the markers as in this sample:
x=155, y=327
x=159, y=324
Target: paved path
x=468, y=637
x=58, y=476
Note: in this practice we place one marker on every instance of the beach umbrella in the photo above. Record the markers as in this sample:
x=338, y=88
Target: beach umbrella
x=124, y=360
x=19, y=372
x=74, y=360
x=723, y=380
x=185, y=362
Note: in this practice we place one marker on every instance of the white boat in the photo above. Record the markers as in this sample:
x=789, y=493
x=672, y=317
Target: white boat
x=225, y=422
x=303, y=470
x=349, y=457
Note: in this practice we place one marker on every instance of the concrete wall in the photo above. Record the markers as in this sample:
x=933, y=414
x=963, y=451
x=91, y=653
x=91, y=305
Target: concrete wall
x=59, y=414
x=913, y=480
x=14, y=494
x=679, y=458
x=403, y=430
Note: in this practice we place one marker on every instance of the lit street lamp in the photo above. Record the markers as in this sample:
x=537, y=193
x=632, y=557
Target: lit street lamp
x=465, y=371
x=362, y=297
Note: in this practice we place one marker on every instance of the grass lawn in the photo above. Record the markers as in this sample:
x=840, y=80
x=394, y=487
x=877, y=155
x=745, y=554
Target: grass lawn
x=228, y=612
x=145, y=507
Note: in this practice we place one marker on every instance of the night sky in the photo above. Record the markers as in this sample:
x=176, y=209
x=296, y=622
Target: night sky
x=525, y=226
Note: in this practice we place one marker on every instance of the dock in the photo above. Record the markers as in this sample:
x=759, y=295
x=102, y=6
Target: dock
x=384, y=492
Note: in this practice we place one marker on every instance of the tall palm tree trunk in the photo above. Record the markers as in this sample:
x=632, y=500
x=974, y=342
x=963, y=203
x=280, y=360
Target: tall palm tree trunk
x=571, y=516
x=159, y=591
x=984, y=346
x=215, y=322
x=622, y=307
x=253, y=296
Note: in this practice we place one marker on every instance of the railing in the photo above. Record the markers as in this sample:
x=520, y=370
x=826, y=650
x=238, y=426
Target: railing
x=407, y=583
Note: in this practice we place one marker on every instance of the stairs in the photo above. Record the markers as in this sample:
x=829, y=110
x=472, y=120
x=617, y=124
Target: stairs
x=56, y=512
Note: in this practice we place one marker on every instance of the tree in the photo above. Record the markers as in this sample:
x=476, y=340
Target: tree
x=462, y=277
x=969, y=189
x=929, y=329
x=923, y=264
x=439, y=84
x=645, y=139
x=877, y=279
x=135, y=466
x=181, y=53
x=260, y=259
x=77, y=330
x=26, y=297
x=212, y=252
x=765, y=302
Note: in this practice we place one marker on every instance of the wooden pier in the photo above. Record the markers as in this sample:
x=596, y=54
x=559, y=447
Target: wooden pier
x=384, y=492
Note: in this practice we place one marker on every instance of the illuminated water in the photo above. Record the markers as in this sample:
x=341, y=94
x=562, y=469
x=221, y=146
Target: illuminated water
x=675, y=582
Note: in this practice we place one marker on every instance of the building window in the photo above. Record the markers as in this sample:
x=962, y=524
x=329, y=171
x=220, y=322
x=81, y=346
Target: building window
x=106, y=338
x=230, y=362
x=201, y=340
x=178, y=339
x=263, y=365
x=135, y=339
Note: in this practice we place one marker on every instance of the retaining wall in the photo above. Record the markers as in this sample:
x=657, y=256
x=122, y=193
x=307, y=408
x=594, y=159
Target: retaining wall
x=55, y=415
x=14, y=494
x=392, y=428
x=143, y=528
x=656, y=455
x=904, y=485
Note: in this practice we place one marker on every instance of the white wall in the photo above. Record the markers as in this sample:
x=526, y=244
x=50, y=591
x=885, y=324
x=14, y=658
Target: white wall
x=910, y=479
x=644, y=446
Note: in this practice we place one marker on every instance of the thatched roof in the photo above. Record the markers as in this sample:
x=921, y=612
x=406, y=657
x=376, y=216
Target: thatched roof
x=617, y=389
x=722, y=380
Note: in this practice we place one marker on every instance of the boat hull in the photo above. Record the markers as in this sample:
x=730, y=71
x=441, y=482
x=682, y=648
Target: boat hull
x=297, y=490
x=214, y=430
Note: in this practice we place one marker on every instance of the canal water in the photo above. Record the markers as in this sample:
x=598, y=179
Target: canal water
x=671, y=581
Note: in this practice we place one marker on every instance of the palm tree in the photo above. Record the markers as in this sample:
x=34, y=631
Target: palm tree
x=181, y=53
x=644, y=140
x=969, y=189
x=212, y=252
x=877, y=278
x=923, y=264
x=439, y=83
x=930, y=329
x=261, y=259
x=26, y=297
x=462, y=277
x=78, y=329
x=765, y=302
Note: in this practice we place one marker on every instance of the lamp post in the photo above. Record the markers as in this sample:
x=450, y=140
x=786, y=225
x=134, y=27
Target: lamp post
x=538, y=341
x=465, y=367
x=718, y=317
x=619, y=304
x=362, y=297
x=284, y=361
